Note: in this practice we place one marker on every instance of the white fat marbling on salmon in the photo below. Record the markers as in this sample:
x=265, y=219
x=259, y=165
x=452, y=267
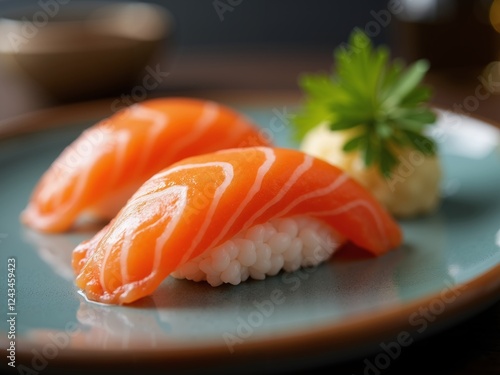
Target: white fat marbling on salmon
x=237, y=129
x=51, y=192
x=299, y=171
x=228, y=171
x=122, y=139
x=79, y=174
x=159, y=121
x=262, y=172
x=350, y=206
x=219, y=192
x=171, y=204
x=315, y=194
x=208, y=117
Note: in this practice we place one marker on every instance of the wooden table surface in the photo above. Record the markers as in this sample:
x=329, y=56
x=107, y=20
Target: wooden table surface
x=470, y=347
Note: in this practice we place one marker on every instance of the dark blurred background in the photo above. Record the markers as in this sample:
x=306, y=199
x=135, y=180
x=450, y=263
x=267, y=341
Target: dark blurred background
x=202, y=23
x=259, y=45
x=255, y=50
x=278, y=23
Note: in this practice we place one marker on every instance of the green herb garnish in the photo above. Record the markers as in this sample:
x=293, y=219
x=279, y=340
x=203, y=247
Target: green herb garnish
x=382, y=99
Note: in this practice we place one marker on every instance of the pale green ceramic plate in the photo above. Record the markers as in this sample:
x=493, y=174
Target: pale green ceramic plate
x=446, y=271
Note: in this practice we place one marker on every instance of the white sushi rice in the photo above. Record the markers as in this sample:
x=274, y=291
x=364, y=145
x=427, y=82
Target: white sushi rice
x=264, y=250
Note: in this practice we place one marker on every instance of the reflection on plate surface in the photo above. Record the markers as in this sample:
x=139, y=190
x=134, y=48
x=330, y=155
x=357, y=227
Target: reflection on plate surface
x=455, y=245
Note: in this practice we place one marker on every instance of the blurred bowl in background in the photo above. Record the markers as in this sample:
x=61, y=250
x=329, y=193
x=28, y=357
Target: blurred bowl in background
x=84, y=50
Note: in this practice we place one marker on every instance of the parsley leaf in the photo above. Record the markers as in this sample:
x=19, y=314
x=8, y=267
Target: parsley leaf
x=381, y=97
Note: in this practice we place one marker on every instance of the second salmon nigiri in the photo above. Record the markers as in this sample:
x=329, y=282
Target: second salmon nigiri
x=226, y=216
x=102, y=168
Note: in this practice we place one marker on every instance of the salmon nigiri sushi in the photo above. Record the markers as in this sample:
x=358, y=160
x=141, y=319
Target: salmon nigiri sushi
x=229, y=215
x=101, y=169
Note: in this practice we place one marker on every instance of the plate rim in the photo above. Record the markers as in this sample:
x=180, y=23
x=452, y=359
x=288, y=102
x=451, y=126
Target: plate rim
x=374, y=326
